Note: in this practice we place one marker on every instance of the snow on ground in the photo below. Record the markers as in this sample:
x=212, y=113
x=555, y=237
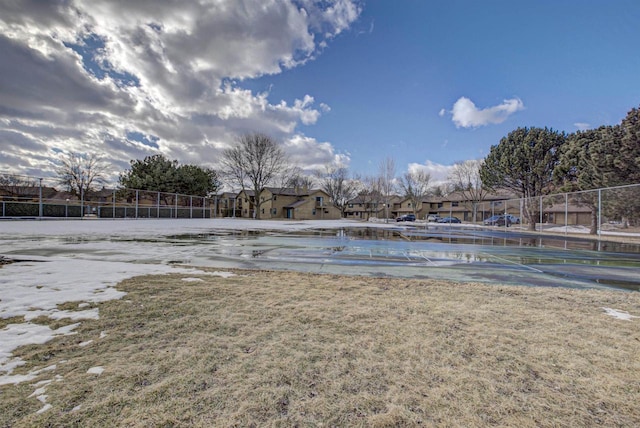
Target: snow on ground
x=85, y=259
x=159, y=227
x=35, y=286
x=621, y=315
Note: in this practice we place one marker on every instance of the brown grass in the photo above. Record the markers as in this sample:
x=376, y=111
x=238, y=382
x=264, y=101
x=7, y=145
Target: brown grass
x=292, y=349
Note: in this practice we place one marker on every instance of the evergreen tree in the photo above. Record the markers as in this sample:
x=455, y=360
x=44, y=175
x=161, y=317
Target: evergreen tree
x=158, y=174
x=523, y=162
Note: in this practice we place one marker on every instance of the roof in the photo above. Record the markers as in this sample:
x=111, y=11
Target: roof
x=296, y=204
x=287, y=191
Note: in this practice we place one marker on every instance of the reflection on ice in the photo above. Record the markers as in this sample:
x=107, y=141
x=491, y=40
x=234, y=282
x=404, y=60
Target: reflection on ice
x=459, y=254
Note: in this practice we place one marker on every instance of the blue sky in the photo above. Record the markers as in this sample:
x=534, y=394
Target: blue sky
x=349, y=82
x=572, y=64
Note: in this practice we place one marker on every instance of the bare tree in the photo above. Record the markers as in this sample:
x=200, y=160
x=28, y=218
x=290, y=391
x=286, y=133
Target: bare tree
x=79, y=172
x=415, y=186
x=371, y=193
x=255, y=162
x=294, y=178
x=335, y=181
x=387, y=175
x=465, y=179
x=17, y=185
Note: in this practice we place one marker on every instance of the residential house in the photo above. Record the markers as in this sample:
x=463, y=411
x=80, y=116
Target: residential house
x=296, y=203
x=226, y=205
x=287, y=203
x=406, y=206
x=571, y=214
x=364, y=207
x=245, y=203
x=457, y=205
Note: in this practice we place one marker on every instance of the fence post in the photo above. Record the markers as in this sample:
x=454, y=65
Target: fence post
x=190, y=206
x=114, y=204
x=540, y=213
x=137, y=194
x=176, y=204
x=566, y=212
x=599, y=212
x=158, y=207
x=40, y=211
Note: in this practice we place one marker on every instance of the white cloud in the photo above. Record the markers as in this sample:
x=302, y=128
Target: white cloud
x=439, y=172
x=582, y=126
x=80, y=74
x=312, y=155
x=465, y=114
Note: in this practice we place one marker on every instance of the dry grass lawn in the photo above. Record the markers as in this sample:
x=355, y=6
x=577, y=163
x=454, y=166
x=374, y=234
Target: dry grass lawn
x=293, y=349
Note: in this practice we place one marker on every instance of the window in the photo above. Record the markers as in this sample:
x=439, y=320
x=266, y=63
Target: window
x=319, y=201
x=313, y=212
x=274, y=197
x=274, y=211
x=439, y=204
x=350, y=205
x=454, y=204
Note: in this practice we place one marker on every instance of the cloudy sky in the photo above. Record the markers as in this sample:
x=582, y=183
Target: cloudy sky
x=427, y=83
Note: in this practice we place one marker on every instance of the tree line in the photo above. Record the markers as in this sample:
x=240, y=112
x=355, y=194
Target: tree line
x=528, y=162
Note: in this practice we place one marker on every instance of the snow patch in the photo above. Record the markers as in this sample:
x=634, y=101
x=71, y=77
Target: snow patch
x=621, y=315
x=96, y=370
x=15, y=379
x=222, y=274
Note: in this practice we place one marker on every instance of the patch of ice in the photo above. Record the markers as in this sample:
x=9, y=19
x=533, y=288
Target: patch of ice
x=192, y=279
x=83, y=305
x=96, y=370
x=621, y=315
x=83, y=344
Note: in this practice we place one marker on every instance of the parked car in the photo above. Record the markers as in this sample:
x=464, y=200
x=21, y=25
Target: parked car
x=433, y=217
x=449, y=220
x=492, y=221
x=514, y=219
x=501, y=220
x=406, y=217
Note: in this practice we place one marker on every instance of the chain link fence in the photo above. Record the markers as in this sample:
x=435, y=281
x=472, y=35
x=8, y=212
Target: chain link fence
x=28, y=197
x=613, y=210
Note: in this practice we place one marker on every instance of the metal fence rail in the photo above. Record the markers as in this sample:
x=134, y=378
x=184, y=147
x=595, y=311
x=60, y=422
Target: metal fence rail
x=27, y=197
